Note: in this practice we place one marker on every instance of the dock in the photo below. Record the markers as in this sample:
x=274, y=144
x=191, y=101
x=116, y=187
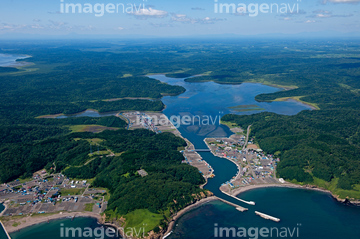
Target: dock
x=239, y=199
x=7, y=234
x=267, y=216
x=239, y=208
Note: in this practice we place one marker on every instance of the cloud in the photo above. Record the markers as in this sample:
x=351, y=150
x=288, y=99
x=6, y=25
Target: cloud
x=310, y=21
x=50, y=26
x=11, y=27
x=198, y=9
x=145, y=13
x=36, y=20
x=119, y=28
x=14, y=27
x=185, y=19
x=293, y=14
x=340, y=1
x=326, y=14
x=57, y=25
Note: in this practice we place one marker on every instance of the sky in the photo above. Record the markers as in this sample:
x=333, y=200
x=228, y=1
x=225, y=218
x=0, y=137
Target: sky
x=169, y=18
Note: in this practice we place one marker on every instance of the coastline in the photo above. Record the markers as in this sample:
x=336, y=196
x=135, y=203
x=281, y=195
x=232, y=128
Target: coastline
x=31, y=221
x=312, y=106
x=237, y=165
x=5, y=207
x=240, y=190
x=187, y=209
x=296, y=186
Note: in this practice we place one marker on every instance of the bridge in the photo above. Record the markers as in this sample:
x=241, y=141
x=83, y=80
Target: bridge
x=200, y=150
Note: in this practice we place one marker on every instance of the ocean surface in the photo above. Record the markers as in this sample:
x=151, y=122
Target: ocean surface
x=10, y=60
x=310, y=214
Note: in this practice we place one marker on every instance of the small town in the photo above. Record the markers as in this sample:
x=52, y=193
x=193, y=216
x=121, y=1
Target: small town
x=46, y=194
x=254, y=166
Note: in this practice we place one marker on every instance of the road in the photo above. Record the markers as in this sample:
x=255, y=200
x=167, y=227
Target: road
x=129, y=122
x=247, y=136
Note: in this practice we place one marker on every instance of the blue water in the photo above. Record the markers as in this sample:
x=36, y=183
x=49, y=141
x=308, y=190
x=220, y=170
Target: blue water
x=214, y=100
x=10, y=59
x=314, y=214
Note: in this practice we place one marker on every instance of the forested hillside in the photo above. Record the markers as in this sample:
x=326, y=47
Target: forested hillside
x=67, y=80
x=320, y=146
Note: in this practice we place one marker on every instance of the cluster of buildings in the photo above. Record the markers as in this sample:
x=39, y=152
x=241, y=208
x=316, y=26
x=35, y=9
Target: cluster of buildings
x=254, y=166
x=44, y=194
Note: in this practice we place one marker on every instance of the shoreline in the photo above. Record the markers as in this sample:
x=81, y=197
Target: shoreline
x=32, y=221
x=312, y=107
x=296, y=186
x=187, y=209
x=5, y=207
x=238, y=166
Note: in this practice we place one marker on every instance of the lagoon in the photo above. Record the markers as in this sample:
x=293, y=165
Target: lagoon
x=9, y=60
x=316, y=214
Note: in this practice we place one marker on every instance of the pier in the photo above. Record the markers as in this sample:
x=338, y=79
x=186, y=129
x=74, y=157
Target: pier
x=239, y=208
x=267, y=216
x=247, y=202
x=167, y=235
x=7, y=234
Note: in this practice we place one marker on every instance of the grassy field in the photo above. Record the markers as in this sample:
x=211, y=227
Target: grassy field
x=142, y=218
x=94, y=140
x=89, y=207
x=298, y=98
x=72, y=191
x=15, y=224
x=90, y=128
x=332, y=186
x=244, y=108
x=229, y=124
x=269, y=82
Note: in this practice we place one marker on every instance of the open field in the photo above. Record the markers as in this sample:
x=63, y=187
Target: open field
x=90, y=128
x=298, y=98
x=142, y=218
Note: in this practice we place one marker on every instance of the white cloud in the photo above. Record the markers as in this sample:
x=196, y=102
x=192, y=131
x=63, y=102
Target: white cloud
x=150, y=12
x=185, y=19
x=326, y=14
x=340, y=1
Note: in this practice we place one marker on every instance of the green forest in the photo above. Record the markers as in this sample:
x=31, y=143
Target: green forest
x=66, y=81
x=65, y=77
